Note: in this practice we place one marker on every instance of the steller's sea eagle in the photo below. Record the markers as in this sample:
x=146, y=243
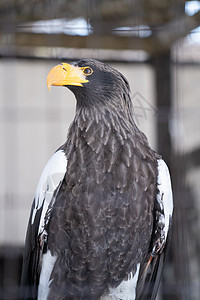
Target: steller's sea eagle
x=101, y=216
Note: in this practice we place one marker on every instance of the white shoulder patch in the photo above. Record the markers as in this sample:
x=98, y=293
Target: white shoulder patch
x=164, y=193
x=51, y=177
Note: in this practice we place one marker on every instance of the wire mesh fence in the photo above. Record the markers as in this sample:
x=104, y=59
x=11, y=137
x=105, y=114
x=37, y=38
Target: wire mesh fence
x=164, y=77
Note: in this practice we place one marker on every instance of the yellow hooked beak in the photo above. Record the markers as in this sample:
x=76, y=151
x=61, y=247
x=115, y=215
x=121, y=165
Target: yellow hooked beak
x=66, y=74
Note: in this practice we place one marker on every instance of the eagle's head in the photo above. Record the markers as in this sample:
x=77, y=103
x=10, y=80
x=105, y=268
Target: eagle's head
x=91, y=81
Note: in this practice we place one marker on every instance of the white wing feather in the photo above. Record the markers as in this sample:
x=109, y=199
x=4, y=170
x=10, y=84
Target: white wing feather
x=164, y=193
x=50, y=179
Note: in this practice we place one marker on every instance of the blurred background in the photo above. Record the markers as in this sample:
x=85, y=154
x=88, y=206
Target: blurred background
x=156, y=45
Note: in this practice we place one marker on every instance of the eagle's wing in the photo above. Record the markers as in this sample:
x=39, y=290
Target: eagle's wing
x=49, y=184
x=150, y=274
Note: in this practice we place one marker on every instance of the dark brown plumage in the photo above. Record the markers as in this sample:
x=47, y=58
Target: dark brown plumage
x=101, y=220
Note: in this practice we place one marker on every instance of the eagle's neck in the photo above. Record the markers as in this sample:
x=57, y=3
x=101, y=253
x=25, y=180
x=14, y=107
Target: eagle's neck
x=96, y=126
x=102, y=142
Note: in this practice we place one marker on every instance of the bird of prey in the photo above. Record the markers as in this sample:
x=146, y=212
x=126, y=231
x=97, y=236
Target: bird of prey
x=101, y=217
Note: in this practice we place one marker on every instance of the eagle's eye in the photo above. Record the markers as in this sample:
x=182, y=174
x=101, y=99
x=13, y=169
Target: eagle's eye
x=87, y=71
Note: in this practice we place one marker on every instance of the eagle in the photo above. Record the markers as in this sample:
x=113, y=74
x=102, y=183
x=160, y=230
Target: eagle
x=101, y=218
